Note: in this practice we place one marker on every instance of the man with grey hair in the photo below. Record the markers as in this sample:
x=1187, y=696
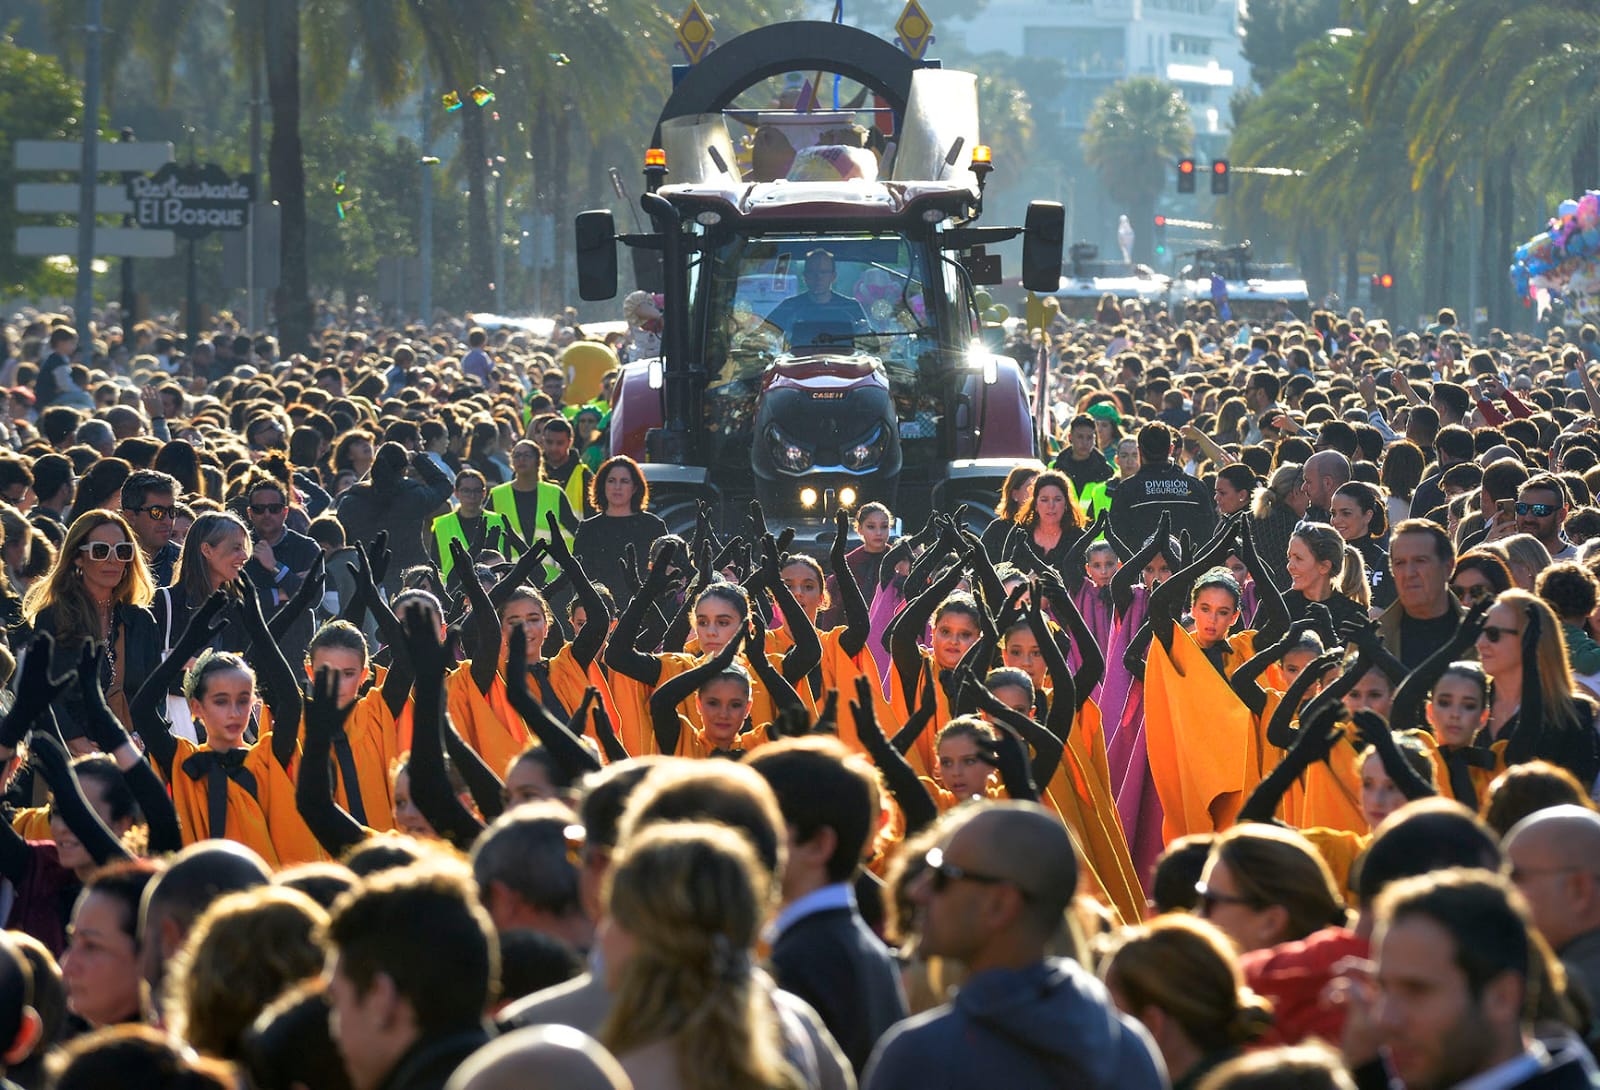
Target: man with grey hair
x=1555, y=863
x=526, y=875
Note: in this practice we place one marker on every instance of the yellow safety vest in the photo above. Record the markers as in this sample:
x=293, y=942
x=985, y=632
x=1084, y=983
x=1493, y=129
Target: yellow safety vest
x=447, y=528
x=575, y=490
x=503, y=502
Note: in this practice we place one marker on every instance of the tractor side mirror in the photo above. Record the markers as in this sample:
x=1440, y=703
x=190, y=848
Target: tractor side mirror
x=597, y=255
x=1043, y=232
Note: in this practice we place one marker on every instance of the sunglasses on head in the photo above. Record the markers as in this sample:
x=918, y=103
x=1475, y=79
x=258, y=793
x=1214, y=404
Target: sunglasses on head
x=158, y=512
x=267, y=508
x=1537, y=510
x=105, y=550
x=1494, y=632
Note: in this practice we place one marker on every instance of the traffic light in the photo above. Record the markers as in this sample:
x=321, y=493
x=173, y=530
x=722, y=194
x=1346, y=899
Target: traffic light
x=1159, y=236
x=1185, y=175
x=1219, y=176
x=1382, y=281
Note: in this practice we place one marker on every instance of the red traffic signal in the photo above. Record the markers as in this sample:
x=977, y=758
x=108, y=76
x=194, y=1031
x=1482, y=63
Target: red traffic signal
x=1219, y=176
x=1185, y=175
x=1386, y=280
x=1161, y=221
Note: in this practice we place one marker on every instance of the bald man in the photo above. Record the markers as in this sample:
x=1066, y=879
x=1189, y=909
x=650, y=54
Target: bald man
x=1325, y=471
x=541, y=1058
x=1555, y=862
x=993, y=898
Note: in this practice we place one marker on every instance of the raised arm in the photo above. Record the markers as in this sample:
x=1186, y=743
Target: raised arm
x=1272, y=616
x=620, y=653
x=785, y=701
x=806, y=653
x=329, y=822
x=1314, y=741
x=49, y=756
x=596, y=616
x=279, y=688
x=898, y=775
x=1280, y=729
x=1073, y=569
x=674, y=691
x=148, y=708
x=1373, y=731
x=560, y=739
x=106, y=731
x=1406, y=711
x=430, y=781
x=302, y=602
x=906, y=629
x=482, y=627
x=1091, y=657
x=856, y=619
x=1065, y=699
x=1244, y=683
x=1127, y=576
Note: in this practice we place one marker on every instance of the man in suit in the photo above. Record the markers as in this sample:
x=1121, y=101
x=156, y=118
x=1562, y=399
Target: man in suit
x=822, y=950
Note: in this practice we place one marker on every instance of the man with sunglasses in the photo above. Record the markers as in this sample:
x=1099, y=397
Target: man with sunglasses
x=149, y=500
x=1542, y=506
x=992, y=897
x=280, y=557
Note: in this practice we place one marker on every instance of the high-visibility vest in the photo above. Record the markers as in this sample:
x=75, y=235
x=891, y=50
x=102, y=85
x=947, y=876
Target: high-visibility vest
x=447, y=528
x=504, y=502
x=575, y=490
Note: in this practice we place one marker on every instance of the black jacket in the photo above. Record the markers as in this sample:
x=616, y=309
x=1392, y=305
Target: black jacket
x=833, y=961
x=431, y=1061
x=1141, y=499
x=141, y=645
x=406, y=511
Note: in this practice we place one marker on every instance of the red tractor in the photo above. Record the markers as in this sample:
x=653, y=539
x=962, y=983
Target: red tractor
x=823, y=340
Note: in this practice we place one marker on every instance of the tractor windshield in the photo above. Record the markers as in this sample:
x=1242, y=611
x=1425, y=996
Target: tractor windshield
x=768, y=297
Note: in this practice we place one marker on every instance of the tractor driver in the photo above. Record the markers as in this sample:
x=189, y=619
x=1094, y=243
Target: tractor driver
x=819, y=302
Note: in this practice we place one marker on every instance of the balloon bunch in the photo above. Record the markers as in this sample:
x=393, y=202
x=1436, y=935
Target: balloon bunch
x=1563, y=262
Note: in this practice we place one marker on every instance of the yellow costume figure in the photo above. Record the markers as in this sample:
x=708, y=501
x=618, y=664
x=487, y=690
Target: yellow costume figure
x=374, y=747
x=249, y=793
x=1197, y=732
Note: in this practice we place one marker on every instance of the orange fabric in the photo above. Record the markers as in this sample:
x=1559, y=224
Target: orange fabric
x=485, y=721
x=268, y=822
x=1339, y=848
x=375, y=747
x=1080, y=792
x=891, y=718
x=693, y=743
x=1197, y=732
x=632, y=701
x=1481, y=777
x=839, y=673
x=1332, y=797
x=32, y=823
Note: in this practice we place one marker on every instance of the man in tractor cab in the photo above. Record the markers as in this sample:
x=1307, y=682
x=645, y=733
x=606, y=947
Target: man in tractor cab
x=818, y=305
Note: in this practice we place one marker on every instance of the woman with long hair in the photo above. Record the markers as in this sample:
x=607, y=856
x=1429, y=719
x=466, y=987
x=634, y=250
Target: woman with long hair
x=1361, y=517
x=1400, y=473
x=684, y=906
x=215, y=551
x=1046, y=527
x=178, y=458
x=1535, y=708
x=1263, y=885
x=98, y=592
x=1013, y=498
x=1180, y=977
x=1323, y=569
x=620, y=497
x=1278, y=507
x=1479, y=576
x=101, y=486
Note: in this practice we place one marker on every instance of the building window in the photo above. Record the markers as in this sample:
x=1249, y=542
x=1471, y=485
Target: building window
x=1190, y=45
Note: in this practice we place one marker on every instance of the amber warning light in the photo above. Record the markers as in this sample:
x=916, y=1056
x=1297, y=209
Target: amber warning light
x=655, y=157
x=982, y=154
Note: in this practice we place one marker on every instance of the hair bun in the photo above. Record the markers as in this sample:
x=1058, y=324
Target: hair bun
x=1251, y=1020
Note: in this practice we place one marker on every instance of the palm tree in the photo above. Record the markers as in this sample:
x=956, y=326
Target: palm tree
x=1135, y=132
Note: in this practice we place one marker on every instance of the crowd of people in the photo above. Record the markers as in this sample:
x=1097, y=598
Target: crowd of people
x=365, y=728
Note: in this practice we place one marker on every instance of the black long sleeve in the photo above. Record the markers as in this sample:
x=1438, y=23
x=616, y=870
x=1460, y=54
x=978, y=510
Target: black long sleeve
x=160, y=816
x=1280, y=729
x=333, y=826
x=857, y=616
x=902, y=780
x=563, y=745
x=69, y=801
x=906, y=628
x=279, y=687
x=621, y=655
x=674, y=691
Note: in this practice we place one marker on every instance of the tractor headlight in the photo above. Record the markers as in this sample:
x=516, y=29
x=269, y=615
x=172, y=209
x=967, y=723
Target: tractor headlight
x=868, y=452
x=787, y=454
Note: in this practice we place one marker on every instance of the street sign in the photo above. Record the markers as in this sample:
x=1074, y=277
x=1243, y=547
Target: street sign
x=108, y=242
x=694, y=32
x=914, y=29
x=111, y=158
x=62, y=198
x=192, y=201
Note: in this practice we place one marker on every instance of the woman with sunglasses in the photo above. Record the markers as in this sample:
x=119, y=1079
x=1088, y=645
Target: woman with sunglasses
x=1534, y=706
x=98, y=591
x=1479, y=576
x=1263, y=885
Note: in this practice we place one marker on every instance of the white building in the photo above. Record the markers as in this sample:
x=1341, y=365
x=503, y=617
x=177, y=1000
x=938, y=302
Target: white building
x=1193, y=43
